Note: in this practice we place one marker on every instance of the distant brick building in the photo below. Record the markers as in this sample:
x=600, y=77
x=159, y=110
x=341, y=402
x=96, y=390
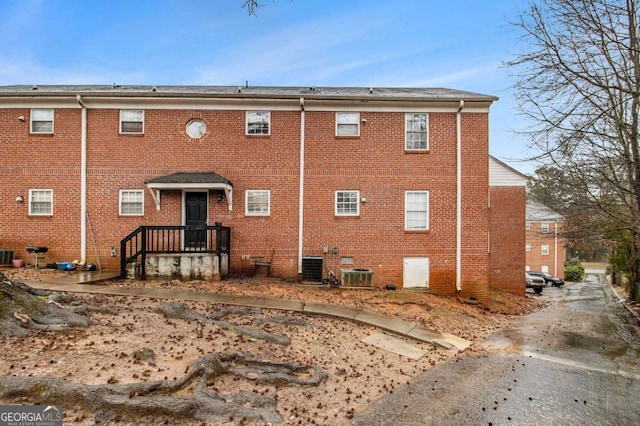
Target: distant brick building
x=394, y=181
x=545, y=243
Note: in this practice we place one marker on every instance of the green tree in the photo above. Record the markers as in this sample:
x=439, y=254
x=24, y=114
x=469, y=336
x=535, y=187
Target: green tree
x=579, y=81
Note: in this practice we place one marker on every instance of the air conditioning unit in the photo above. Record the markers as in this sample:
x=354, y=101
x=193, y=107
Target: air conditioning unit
x=312, y=268
x=357, y=278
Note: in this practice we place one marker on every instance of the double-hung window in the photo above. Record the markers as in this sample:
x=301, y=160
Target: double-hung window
x=417, y=132
x=132, y=121
x=347, y=124
x=41, y=202
x=131, y=202
x=416, y=207
x=41, y=121
x=347, y=203
x=257, y=202
x=258, y=123
x=527, y=247
x=544, y=226
x=544, y=249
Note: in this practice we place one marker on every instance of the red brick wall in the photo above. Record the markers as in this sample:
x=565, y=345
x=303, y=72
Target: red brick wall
x=375, y=163
x=40, y=162
x=554, y=239
x=507, y=258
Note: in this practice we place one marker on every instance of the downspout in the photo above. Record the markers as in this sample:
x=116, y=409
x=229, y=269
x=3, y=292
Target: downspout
x=459, y=197
x=301, y=196
x=555, y=251
x=83, y=183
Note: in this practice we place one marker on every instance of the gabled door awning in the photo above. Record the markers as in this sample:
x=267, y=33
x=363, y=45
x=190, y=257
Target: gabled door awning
x=190, y=180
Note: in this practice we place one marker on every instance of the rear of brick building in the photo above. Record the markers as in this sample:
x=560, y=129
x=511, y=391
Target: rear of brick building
x=393, y=181
x=545, y=240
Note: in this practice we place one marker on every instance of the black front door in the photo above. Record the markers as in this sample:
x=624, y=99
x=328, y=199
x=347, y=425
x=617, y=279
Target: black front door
x=196, y=220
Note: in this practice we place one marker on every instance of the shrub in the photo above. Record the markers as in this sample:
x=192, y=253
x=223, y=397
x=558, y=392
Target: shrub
x=573, y=272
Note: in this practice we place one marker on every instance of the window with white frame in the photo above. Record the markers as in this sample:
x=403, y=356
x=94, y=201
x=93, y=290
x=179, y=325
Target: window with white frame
x=544, y=268
x=417, y=132
x=544, y=226
x=527, y=247
x=527, y=226
x=258, y=122
x=416, y=210
x=41, y=202
x=544, y=249
x=347, y=203
x=132, y=121
x=257, y=202
x=131, y=202
x=347, y=124
x=41, y=121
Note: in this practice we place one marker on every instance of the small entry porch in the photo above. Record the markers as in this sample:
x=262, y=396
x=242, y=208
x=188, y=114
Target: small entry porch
x=175, y=251
x=192, y=250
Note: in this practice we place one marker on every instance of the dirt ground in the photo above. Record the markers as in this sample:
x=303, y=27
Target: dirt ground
x=109, y=351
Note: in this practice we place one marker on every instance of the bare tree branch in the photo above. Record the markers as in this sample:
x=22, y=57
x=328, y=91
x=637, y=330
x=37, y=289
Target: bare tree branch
x=579, y=81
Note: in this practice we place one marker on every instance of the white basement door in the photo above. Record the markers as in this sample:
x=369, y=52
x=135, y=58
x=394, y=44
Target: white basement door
x=415, y=272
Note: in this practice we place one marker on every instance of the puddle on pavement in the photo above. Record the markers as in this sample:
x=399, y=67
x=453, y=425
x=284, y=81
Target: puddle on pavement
x=611, y=349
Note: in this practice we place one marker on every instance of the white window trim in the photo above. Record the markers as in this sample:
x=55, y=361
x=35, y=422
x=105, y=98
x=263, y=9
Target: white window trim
x=31, y=212
x=527, y=225
x=527, y=247
x=544, y=227
x=406, y=218
x=544, y=249
x=247, y=122
x=357, y=213
x=31, y=120
x=120, y=200
x=357, y=123
x=141, y=132
x=406, y=131
x=246, y=202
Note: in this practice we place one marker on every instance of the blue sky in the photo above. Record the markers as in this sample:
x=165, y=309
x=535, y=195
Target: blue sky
x=401, y=43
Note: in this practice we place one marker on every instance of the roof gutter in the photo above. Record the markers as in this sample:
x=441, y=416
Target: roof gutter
x=459, y=197
x=83, y=182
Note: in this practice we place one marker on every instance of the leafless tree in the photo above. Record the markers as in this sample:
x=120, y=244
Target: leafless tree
x=251, y=6
x=579, y=80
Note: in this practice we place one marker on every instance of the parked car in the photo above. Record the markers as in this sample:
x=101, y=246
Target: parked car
x=550, y=280
x=535, y=282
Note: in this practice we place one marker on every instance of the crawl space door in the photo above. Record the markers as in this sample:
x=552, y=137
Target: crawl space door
x=415, y=272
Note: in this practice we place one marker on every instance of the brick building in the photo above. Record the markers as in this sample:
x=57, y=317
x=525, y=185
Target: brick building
x=390, y=180
x=545, y=243
x=507, y=201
